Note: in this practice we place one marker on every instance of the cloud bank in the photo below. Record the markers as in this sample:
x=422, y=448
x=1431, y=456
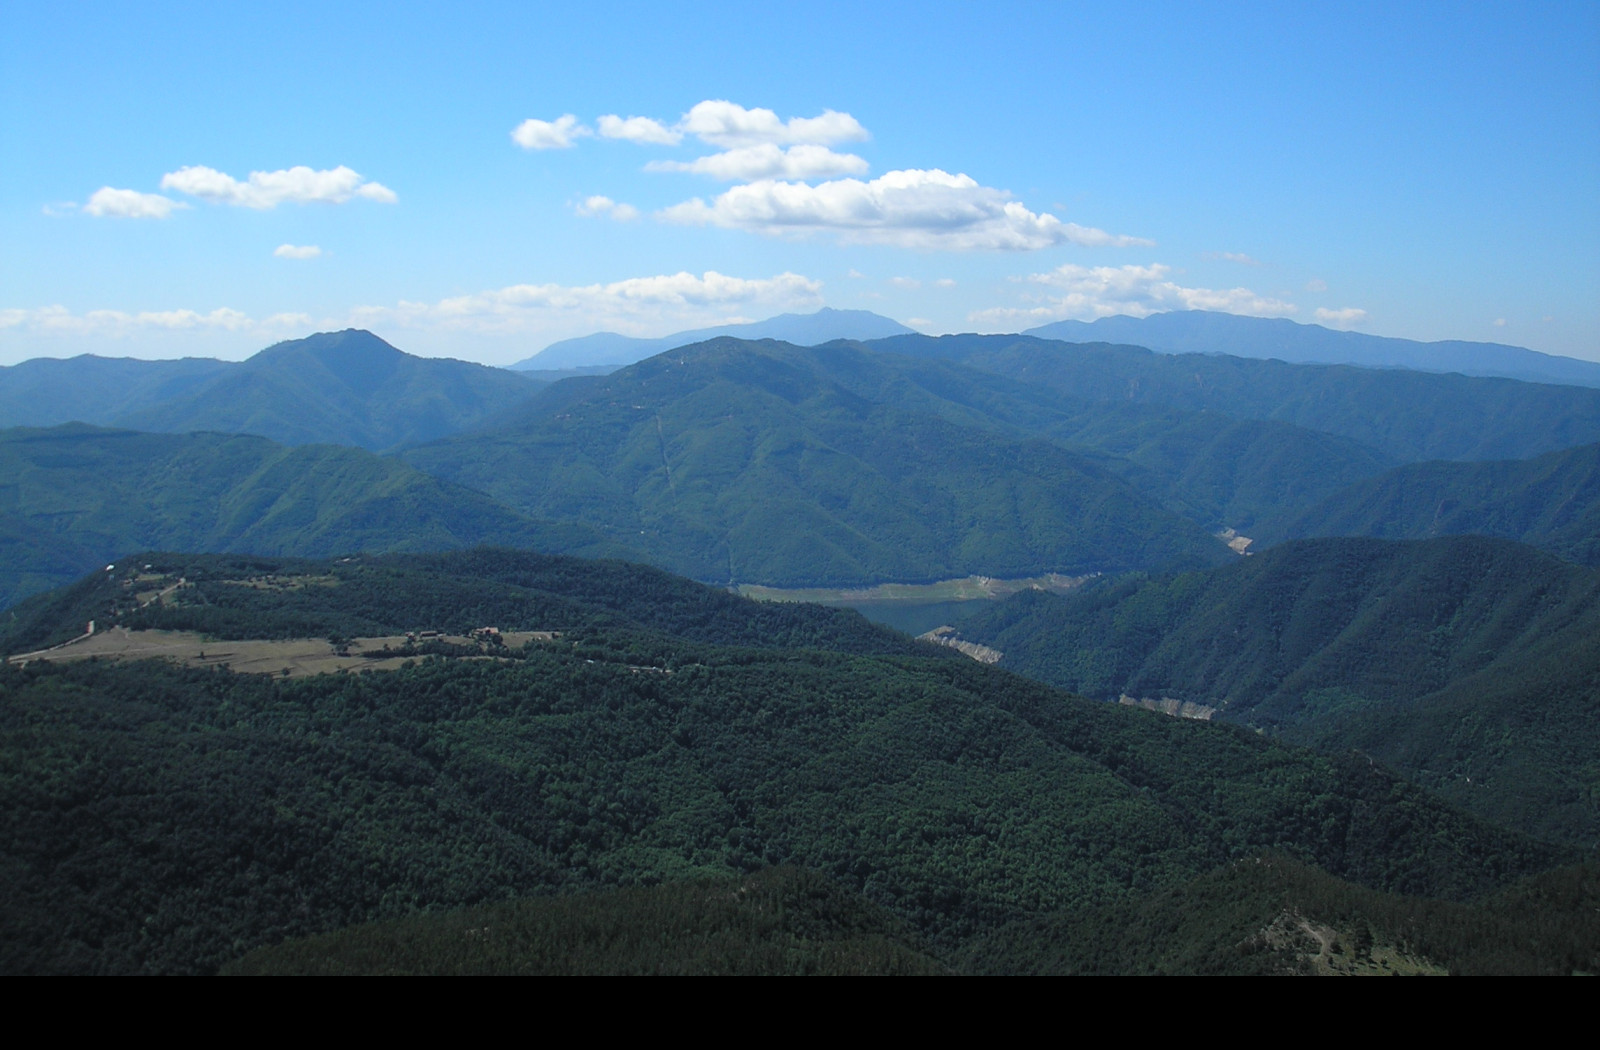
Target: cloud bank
x=637, y=305
x=598, y=205
x=549, y=134
x=642, y=130
x=731, y=126
x=268, y=189
x=768, y=161
x=59, y=320
x=130, y=204
x=927, y=210
x=1086, y=293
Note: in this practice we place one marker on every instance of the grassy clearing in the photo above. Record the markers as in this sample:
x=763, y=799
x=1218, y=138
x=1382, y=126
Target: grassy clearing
x=291, y=658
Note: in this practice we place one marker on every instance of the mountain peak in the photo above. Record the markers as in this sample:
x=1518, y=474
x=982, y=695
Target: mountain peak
x=354, y=356
x=608, y=348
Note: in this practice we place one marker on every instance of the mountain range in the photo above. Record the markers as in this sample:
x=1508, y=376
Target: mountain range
x=610, y=350
x=1210, y=332
x=1399, y=726
x=346, y=388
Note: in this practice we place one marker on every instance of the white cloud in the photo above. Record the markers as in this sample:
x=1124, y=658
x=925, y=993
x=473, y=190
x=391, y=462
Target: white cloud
x=944, y=282
x=905, y=282
x=930, y=210
x=131, y=204
x=545, y=134
x=731, y=126
x=377, y=191
x=1239, y=257
x=1350, y=315
x=1316, y=284
x=642, y=130
x=1085, y=293
x=639, y=305
x=58, y=320
x=268, y=189
x=297, y=251
x=768, y=161
x=1499, y=322
x=598, y=205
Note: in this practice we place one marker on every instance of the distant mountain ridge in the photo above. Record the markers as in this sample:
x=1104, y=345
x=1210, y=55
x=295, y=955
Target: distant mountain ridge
x=74, y=497
x=609, y=348
x=347, y=388
x=1405, y=414
x=1209, y=332
x=764, y=462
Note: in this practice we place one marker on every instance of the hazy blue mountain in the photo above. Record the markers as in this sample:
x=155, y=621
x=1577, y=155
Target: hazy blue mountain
x=1551, y=502
x=90, y=389
x=75, y=497
x=346, y=388
x=769, y=463
x=1208, y=332
x=1467, y=662
x=611, y=349
x=1406, y=415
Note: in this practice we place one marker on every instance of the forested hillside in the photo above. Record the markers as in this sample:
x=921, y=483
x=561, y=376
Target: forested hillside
x=1467, y=662
x=1405, y=415
x=1551, y=502
x=165, y=819
x=1274, y=916
x=766, y=463
x=73, y=498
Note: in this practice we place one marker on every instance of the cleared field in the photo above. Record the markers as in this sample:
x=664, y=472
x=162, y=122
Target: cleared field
x=290, y=658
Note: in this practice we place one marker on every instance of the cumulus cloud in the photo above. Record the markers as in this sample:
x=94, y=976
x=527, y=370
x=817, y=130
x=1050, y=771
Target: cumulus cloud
x=546, y=134
x=268, y=189
x=731, y=126
x=59, y=320
x=1085, y=293
x=297, y=251
x=944, y=282
x=930, y=210
x=598, y=205
x=905, y=282
x=638, y=305
x=1350, y=315
x=1239, y=257
x=642, y=130
x=1316, y=284
x=767, y=161
x=130, y=204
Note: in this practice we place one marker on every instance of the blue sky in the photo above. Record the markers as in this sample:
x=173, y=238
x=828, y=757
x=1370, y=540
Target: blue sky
x=209, y=179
